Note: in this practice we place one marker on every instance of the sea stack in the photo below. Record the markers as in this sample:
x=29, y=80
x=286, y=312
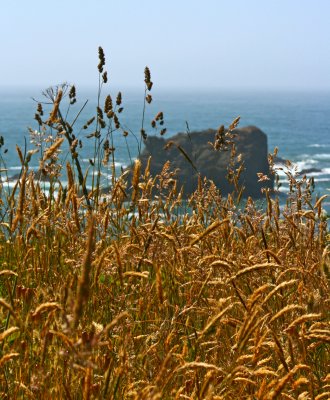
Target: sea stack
x=250, y=142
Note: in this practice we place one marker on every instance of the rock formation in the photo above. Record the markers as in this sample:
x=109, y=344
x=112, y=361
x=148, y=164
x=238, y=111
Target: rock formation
x=250, y=141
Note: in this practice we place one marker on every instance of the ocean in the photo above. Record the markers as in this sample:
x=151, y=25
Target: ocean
x=298, y=123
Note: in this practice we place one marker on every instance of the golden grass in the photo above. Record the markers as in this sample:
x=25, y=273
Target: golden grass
x=146, y=305
x=132, y=297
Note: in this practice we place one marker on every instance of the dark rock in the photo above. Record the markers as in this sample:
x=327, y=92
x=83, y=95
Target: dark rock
x=250, y=141
x=309, y=171
x=280, y=160
x=38, y=176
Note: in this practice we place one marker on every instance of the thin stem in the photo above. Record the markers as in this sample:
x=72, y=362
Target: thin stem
x=143, y=115
x=76, y=161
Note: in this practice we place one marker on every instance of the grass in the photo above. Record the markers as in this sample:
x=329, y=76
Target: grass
x=126, y=296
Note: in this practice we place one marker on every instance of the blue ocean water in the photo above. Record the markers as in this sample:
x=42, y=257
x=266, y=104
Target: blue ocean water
x=298, y=123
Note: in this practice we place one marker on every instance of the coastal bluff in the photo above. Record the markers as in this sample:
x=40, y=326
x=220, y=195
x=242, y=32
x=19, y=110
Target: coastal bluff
x=250, y=142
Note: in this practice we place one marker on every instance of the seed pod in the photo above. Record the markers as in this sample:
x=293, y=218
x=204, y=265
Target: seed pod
x=118, y=99
x=149, y=98
x=116, y=121
x=99, y=112
x=143, y=134
x=39, y=109
x=101, y=60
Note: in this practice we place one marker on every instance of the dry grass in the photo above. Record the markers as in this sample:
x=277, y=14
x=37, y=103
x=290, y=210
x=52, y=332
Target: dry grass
x=129, y=297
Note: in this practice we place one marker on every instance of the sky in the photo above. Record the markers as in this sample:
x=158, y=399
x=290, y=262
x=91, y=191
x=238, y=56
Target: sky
x=187, y=44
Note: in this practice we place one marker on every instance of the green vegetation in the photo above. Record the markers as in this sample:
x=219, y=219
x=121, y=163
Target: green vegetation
x=125, y=296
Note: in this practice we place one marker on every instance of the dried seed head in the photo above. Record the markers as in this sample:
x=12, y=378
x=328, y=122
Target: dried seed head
x=102, y=123
x=99, y=112
x=74, y=145
x=72, y=94
x=163, y=131
x=53, y=149
x=38, y=118
x=147, y=78
x=106, y=145
x=135, y=179
x=108, y=104
x=148, y=98
x=105, y=77
x=106, y=157
x=159, y=116
x=54, y=112
x=169, y=145
x=262, y=177
x=234, y=124
x=69, y=128
x=110, y=114
x=39, y=109
x=220, y=131
x=116, y=121
x=153, y=123
x=70, y=176
x=101, y=60
x=90, y=121
x=220, y=141
x=118, y=100
x=149, y=85
x=143, y=134
x=147, y=75
x=93, y=134
x=125, y=133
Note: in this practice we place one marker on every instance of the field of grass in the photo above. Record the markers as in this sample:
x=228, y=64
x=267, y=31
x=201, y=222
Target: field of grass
x=141, y=295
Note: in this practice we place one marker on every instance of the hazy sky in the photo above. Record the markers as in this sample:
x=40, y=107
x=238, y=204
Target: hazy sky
x=261, y=44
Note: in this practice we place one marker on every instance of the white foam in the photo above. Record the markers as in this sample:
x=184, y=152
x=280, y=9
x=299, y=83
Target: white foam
x=284, y=189
x=106, y=175
x=322, y=156
x=318, y=145
x=15, y=168
x=322, y=180
x=324, y=171
x=299, y=165
x=280, y=169
x=10, y=184
x=302, y=164
x=305, y=164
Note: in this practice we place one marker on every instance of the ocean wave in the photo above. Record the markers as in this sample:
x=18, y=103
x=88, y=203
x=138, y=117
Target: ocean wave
x=322, y=156
x=19, y=167
x=324, y=171
x=322, y=180
x=300, y=165
x=317, y=145
x=306, y=164
x=106, y=175
x=320, y=176
x=43, y=185
x=284, y=189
